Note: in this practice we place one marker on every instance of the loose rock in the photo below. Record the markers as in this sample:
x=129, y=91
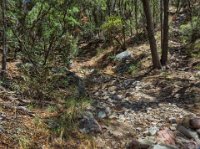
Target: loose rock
x=166, y=136
x=101, y=114
x=123, y=55
x=89, y=124
x=153, y=130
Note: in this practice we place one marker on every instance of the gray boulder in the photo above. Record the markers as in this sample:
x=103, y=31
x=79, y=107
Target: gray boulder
x=123, y=55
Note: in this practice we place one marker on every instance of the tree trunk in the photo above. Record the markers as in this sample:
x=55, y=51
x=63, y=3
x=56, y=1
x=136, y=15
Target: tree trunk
x=161, y=23
x=136, y=16
x=165, y=33
x=4, y=52
x=150, y=30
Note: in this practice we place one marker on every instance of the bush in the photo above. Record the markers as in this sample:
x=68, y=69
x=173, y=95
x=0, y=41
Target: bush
x=113, y=29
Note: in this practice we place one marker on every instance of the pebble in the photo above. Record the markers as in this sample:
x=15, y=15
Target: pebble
x=105, y=97
x=177, y=96
x=127, y=107
x=116, y=133
x=172, y=128
x=139, y=129
x=153, y=130
x=101, y=114
x=121, y=118
x=108, y=110
x=117, y=97
x=97, y=94
x=113, y=88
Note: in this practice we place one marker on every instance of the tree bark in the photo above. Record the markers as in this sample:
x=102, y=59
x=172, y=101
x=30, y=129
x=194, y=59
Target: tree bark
x=4, y=52
x=161, y=23
x=164, y=56
x=136, y=16
x=150, y=30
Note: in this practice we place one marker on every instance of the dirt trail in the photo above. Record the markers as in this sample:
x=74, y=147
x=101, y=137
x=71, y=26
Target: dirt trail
x=137, y=107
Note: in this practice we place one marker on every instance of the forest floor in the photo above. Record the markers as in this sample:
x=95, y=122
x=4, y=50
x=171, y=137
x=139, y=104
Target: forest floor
x=139, y=106
x=130, y=102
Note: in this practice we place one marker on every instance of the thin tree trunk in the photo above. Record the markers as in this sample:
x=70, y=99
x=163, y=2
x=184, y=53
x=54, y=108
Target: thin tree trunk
x=154, y=11
x=136, y=16
x=150, y=30
x=161, y=23
x=164, y=56
x=4, y=52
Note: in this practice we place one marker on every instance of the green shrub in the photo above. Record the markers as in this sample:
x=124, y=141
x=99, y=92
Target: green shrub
x=113, y=29
x=113, y=24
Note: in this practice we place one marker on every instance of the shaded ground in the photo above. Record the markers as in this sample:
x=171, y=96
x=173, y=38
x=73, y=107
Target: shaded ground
x=128, y=105
x=128, y=98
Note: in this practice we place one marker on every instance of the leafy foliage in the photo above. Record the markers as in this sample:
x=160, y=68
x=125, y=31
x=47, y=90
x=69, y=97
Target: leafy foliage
x=113, y=28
